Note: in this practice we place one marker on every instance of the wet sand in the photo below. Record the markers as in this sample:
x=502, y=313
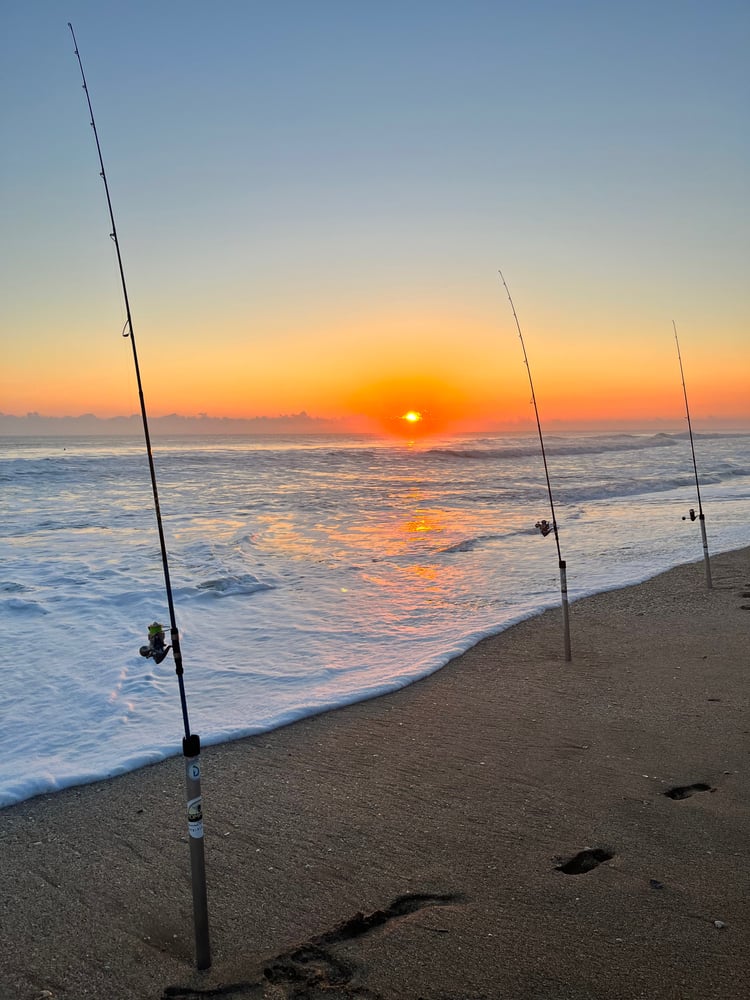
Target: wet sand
x=512, y=826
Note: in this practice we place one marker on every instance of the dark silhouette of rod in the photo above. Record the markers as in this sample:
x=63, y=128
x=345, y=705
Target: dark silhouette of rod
x=701, y=515
x=541, y=525
x=191, y=741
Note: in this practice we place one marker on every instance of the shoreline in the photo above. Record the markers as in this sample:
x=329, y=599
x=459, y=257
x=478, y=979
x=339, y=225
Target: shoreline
x=439, y=813
x=158, y=755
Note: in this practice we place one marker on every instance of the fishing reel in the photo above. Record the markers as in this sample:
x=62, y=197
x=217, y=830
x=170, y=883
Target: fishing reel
x=544, y=527
x=156, y=647
x=691, y=514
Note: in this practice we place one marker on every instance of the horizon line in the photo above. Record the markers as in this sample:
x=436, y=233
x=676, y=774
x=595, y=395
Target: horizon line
x=13, y=425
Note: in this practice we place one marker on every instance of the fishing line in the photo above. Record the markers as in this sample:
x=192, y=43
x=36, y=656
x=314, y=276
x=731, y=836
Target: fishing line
x=542, y=525
x=129, y=333
x=191, y=741
x=701, y=516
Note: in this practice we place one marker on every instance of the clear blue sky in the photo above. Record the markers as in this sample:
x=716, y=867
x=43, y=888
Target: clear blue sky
x=305, y=192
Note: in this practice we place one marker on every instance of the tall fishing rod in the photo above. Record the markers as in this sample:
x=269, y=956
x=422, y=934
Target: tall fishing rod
x=156, y=648
x=701, y=515
x=543, y=525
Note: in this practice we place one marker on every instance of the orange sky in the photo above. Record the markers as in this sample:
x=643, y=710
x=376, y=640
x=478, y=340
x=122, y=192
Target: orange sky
x=459, y=371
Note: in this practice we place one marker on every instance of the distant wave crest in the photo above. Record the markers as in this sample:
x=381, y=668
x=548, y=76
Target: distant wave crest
x=585, y=446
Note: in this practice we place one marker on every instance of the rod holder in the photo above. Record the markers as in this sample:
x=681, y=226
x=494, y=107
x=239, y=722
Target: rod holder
x=565, y=610
x=191, y=749
x=706, y=559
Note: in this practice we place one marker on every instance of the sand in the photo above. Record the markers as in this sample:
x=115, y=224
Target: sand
x=420, y=845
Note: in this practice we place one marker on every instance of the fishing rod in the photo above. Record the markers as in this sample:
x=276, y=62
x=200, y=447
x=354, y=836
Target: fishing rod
x=701, y=516
x=156, y=647
x=544, y=526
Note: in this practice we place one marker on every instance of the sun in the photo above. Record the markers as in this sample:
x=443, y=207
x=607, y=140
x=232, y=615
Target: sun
x=412, y=417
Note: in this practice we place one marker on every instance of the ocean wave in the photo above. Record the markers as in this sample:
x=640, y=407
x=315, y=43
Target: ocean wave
x=24, y=607
x=469, y=544
x=635, y=487
x=234, y=586
x=465, y=545
x=560, y=446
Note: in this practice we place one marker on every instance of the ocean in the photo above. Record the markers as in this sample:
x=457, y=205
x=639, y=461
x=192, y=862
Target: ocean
x=308, y=572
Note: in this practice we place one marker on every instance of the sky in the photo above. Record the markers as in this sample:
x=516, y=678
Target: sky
x=313, y=201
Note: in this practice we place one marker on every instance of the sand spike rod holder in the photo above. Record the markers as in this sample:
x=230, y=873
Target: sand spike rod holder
x=545, y=530
x=191, y=742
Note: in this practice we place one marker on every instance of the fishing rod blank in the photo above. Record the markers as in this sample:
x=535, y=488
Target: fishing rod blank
x=701, y=515
x=156, y=648
x=543, y=525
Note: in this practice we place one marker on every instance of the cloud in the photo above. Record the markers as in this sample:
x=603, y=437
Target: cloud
x=35, y=424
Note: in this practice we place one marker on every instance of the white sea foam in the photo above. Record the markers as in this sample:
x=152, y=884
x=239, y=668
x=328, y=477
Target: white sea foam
x=307, y=572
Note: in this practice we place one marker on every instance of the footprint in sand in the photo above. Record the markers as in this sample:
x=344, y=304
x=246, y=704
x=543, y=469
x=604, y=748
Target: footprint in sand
x=685, y=791
x=584, y=861
x=311, y=971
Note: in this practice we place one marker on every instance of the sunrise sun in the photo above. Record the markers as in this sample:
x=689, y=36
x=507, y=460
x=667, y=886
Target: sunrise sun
x=412, y=417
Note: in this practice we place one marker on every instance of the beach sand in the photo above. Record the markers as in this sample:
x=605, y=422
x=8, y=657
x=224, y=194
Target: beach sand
x=410, y=846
